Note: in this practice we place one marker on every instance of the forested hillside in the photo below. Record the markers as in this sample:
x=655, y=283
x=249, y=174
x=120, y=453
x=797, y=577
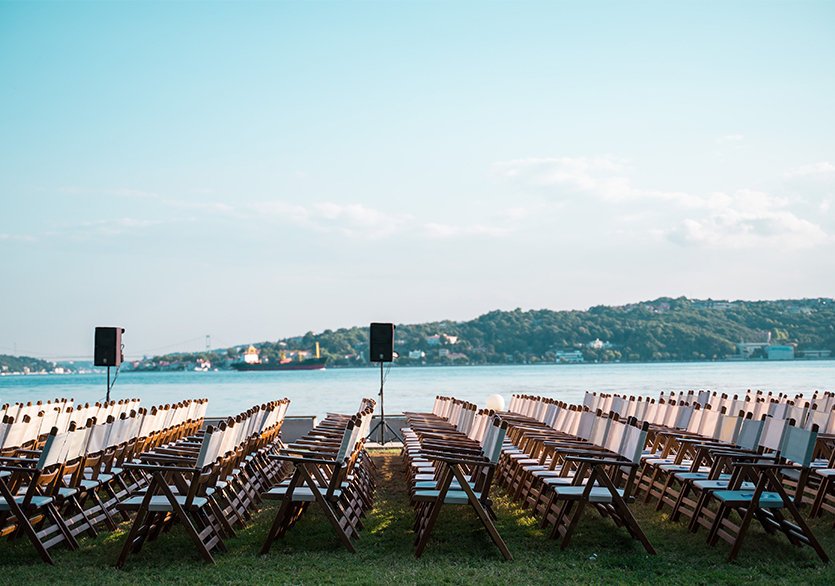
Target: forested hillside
x=12, y=364
x=663, y=329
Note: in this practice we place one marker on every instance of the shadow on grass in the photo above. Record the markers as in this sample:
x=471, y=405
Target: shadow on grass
x=459, y=552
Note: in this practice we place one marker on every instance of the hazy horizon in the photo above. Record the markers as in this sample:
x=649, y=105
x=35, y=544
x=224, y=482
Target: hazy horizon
x=254, y=171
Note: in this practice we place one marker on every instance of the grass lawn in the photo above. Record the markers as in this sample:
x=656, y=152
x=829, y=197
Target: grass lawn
x=460, y=552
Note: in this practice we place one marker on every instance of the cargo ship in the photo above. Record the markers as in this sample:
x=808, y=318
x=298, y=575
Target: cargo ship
x=252, y=361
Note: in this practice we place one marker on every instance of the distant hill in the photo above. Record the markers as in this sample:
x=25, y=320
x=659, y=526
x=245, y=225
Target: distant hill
x=665, y=329
x=21, y=364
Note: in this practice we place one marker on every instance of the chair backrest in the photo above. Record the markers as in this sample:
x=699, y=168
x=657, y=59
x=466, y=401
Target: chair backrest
x=634, y=439
x=52, y=449
x=347, y=439
x=498, y=439
x=585, y=426
x=710, y=422
x=728, y=429
x=211, y=441
x=682, y=420
x=818, y=417
x=615, y=437
x=749, y=433
x=799, y=445
x=599, y=431
x=772, y=434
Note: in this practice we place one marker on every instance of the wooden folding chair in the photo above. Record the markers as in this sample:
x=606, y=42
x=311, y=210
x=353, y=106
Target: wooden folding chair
x=27, y=505
x=757, y=490
x=321, y=478
x=178, y=494
x=764, y=503
x=456, y=488
x=604, y=483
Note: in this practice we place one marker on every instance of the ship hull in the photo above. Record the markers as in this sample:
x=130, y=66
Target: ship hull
x=311, y=364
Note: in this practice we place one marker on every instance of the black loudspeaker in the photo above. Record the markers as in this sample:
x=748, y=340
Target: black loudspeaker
x=381, y=346
x=108, y=350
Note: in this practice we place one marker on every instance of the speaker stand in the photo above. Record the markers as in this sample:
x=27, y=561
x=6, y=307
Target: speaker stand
x=382, y=425
x=108, y=385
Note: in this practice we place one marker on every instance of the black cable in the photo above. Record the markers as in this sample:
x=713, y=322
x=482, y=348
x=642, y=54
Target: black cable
x=115, y=376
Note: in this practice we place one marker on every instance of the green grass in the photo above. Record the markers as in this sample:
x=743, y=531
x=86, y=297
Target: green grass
x=460, y=552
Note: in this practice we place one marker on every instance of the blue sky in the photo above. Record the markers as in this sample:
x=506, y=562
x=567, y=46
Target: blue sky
x=257, y=170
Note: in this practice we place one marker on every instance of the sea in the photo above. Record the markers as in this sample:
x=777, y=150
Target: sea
x=339, y=390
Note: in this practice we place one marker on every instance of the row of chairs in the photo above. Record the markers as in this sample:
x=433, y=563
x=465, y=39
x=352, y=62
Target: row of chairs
x=71, y=483
x=696, y=456
x=567, y=459
x=207, y=482
x=26, y=425
x=669, y=408
x=450, y=456
x=332, y=469
x=756, y=468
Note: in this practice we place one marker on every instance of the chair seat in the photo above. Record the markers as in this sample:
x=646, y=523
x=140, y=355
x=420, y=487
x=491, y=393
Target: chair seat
x=37, y=502
x=67, y=492
x=598, y=494
x=452, y=497
x=551, y=473
x=102, y=477
x=650, y=459
x=159, y=503
x=683, y=467
x=768, y=500
x=825, y=472
x=300, y=494
x=700, y=476
x=720, y=485
x=431, y=485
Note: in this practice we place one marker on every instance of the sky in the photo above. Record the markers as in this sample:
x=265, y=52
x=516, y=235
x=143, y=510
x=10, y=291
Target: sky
x=254, y=171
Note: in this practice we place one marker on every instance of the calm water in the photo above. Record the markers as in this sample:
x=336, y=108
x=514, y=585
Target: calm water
x=414, y=389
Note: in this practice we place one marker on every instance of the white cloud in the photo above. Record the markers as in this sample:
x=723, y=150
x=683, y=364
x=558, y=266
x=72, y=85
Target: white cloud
x=816, y=169
x=17, y=238
x=749, y=219
x=215, y=207
x=730, y=138
x=119, y=225
x=603, y=177
x=120, y=192
x=742, y=219
x=352, y=220
x=433, y=230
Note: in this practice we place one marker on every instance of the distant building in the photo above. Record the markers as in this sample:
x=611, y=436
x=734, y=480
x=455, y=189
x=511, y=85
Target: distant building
x=758, y=340
x=443, y=352
x=780, y=352
x=569, y=356
x=251, y=355
x=816, y=354
x=438, y=338
x=712, y=304
x=597, y=344
x=417, y=354
x=761, y=337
